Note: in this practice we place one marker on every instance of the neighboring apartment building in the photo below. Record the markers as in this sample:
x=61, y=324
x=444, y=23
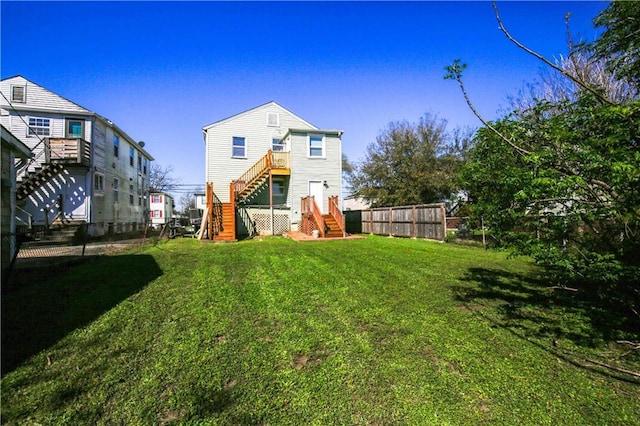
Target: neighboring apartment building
x=161, y=207
x=84, y=169
x=274, y=159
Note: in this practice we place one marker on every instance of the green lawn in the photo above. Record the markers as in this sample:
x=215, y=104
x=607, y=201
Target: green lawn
x=375, y=331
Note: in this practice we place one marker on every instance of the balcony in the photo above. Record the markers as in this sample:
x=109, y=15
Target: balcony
x=280, y=163
x=68, y=151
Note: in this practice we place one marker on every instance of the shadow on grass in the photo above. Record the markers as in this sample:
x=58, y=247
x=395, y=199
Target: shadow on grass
x=535, y=311
x=45, y=304
x=541, y=310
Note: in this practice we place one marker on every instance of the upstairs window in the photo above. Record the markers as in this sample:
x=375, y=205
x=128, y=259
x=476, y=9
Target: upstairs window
x=139, y=163
x=144, y=166
x=116, y=145
x=277, y=145
x=239, y=148
x=131, y=198
x=156, y=198
x=18, y=94
x=75, y=128
x=131, y=156
x=316, y=146
x=39, y=126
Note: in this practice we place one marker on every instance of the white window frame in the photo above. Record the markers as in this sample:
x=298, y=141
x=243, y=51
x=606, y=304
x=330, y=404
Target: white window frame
x=323, y=146
x=278, y=145
x=39, y=126
x=234, y=146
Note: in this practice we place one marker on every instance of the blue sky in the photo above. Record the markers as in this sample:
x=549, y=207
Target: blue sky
x=163, y=70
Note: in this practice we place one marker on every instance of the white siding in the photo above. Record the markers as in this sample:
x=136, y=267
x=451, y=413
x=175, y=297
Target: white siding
x=305, y=169
x=221, y=168
x=39, y=97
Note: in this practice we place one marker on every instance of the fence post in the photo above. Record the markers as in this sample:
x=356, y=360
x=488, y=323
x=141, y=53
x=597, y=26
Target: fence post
x=443, y=212
x=414, y=228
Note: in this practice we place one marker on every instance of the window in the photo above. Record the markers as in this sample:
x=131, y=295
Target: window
x=132, y=153
x=144, y=166
x=98, y=182
x=278, y=188
x=131, y=197
x=273, y=119
x=156, y=198
x=39, y=126
x=18, y=94
x=75, y=128
x=156, y=213
x=316, y=146
x=116, y=145
x=139, y=163
x=239, y=147
x=116, y=188
x=277, y=145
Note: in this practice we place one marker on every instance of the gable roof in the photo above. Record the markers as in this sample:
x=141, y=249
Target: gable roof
x=272, y=103
x=45, y=96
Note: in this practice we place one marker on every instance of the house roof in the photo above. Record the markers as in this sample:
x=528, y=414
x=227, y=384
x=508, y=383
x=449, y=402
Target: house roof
x=325, y=131
x=75, y=109
x=272, y=103
x=15, y=144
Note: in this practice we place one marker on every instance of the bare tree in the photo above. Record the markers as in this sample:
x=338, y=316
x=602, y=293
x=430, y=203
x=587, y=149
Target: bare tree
x=161, y=178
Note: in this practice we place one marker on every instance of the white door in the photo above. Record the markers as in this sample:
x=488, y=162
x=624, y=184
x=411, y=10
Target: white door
x=315, y=190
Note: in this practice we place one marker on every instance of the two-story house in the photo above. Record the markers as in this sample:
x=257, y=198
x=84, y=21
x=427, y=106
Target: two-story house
x=161, y=207
x=276, y=171
x=84, y=168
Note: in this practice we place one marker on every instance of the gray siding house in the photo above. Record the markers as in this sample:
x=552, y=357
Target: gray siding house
x=266, y=160
x=84, y=168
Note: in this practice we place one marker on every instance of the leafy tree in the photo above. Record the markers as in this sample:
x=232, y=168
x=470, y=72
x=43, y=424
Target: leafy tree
x=161, y=178
x=619, y=45
x=409, y=163
x=560, y=181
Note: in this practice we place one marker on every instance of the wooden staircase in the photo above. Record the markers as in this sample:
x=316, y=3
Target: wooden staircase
x=228, y=231
x=331, y=227
x=32, y=180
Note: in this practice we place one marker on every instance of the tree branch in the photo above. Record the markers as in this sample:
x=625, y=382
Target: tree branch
x=545, y=60
x=455, y=73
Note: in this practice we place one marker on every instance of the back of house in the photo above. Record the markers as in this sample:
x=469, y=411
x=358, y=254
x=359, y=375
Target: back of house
x=266, y=160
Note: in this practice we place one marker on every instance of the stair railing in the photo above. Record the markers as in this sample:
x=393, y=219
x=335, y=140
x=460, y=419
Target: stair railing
x=334, y=211
x=217, y=215
x=29, y=221
x=311, y=212
x=252, y=174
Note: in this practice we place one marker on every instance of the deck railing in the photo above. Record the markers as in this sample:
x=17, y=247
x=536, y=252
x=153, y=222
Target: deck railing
x=68, y=151
x=311, y=212
x=334, y=211
x=280, y=160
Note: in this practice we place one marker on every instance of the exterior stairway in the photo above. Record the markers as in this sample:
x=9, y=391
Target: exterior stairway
x=228, y=232
x=331, y=227
x=33, y=180
x=248, y=190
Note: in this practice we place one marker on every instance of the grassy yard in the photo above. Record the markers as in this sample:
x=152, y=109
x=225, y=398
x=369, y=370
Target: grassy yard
x=376, y=331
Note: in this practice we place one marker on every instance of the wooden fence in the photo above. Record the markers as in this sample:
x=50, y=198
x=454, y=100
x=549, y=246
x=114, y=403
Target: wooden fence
x=421, y=221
